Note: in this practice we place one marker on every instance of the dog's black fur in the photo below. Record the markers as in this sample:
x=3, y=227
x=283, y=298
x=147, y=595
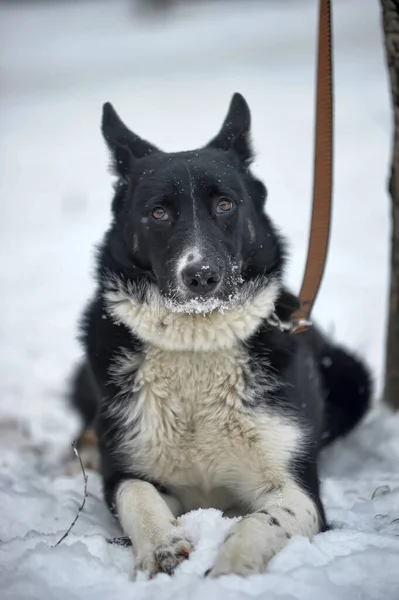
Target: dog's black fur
x=319, y=386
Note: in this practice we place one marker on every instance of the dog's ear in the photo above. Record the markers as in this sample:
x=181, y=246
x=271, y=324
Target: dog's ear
x=123, y=144
x=235, y=132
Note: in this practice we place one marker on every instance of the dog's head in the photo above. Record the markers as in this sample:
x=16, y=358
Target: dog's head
x=191, y=225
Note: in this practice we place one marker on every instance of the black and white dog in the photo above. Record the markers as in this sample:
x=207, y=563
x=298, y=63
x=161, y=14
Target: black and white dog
x=197, y=398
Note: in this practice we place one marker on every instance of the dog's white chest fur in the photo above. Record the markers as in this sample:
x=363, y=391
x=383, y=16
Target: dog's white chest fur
x=194, y=432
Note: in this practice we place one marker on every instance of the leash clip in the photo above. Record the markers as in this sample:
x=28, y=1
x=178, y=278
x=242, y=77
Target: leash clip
x=290, y=326
x=300, y=325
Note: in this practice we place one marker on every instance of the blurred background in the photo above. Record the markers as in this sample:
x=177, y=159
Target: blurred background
x=170, y=68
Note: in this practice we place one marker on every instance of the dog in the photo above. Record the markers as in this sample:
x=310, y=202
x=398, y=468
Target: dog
x=198, y=397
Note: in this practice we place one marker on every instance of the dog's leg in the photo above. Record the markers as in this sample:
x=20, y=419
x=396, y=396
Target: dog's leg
x=253, y=541
x=89, y=453
x=148, y=518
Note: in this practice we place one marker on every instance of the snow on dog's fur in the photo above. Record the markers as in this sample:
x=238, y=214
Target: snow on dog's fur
x=197, y=399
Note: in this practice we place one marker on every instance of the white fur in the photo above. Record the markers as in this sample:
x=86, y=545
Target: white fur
x=193, y=426
x=147, y=519
x=207, y=327
x=253, y=541
x=179, y=396
x=191, y=420
x=185, y=260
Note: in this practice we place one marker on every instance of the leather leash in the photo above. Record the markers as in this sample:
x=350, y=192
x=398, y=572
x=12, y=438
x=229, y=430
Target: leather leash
x=322, y=182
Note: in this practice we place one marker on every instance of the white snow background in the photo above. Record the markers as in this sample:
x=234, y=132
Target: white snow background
x=171, y=80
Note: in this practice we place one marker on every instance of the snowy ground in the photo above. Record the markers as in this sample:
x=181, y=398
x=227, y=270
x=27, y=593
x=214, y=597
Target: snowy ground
x=172, y=82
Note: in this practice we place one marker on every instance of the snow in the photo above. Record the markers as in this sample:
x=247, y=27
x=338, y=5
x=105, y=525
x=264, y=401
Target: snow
x=172, y=81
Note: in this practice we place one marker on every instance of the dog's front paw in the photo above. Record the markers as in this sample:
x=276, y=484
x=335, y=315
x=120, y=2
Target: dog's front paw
x=248, y=547
x=166, y=557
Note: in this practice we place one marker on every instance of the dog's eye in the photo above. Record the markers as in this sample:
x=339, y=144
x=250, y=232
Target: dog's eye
x=159, y=214
x=224, y=205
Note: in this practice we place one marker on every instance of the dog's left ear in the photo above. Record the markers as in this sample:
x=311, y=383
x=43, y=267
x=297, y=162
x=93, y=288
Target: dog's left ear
x=124, y=145
x=235, y=132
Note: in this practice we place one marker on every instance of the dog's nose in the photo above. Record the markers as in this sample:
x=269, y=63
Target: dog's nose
x=201, y=279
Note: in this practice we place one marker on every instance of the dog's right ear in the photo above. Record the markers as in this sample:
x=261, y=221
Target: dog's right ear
x=124, y=145
x=235, y=133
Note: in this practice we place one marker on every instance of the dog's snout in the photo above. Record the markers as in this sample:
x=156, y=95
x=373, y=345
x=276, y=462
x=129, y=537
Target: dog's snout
x=201, y=279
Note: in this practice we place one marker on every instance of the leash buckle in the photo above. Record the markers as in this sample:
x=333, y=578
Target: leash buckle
x=290, y=326
x=300, y=326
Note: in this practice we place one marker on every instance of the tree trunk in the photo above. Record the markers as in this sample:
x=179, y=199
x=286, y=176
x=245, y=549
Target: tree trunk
x=390, y=20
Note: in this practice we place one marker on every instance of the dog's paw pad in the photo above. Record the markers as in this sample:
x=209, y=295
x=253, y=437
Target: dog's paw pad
x=166, y=558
